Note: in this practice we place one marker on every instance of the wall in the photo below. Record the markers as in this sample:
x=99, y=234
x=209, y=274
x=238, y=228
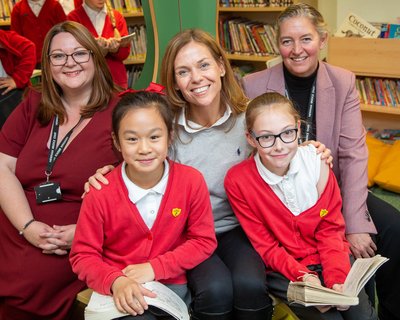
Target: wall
x=334, y=11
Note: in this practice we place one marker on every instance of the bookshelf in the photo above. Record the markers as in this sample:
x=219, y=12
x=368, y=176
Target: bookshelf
x=376, y=58
x=266, y=14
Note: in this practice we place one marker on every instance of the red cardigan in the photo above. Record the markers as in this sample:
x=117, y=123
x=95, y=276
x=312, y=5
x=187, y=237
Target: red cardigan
x=289, y=243
x=114, y=60
x=24, y=22
x=18, y=57
x=111, y=233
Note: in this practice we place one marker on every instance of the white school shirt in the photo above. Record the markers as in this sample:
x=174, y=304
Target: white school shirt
x=297, y=189
x=147, y=201
x=192, y=127
x=36, y=6
x=98, y=18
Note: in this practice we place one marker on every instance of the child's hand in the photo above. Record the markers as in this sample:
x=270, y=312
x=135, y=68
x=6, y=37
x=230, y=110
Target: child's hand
x=97, y=179
x=142, y=272
x=8, y=84
x=339, y=288
x=129, y=296
x=113, y=45
x=313, y=278
x=321, y=148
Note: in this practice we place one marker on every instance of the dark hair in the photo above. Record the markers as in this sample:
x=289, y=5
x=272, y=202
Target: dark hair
x=231, y=92
x=268, y=100
x=102, y=88
x=142, y=100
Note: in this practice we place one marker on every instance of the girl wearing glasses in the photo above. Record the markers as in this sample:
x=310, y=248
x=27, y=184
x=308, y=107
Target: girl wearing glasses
x=40, y=194
x=288, y=202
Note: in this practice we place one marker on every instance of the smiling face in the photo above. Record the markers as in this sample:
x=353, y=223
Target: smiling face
x=274, y=121
x=299, y=45
x=143, y=140
x=198, y=76
x=71, y=75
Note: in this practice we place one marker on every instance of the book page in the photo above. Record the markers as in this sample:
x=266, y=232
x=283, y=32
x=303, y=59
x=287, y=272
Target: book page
x=103, y=307
x=167, y=300
x=361, y=271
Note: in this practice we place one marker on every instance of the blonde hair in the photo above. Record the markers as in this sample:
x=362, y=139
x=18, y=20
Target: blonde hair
x=302, y=10
x=231, y=92
x=110, y=13
x=271, y=101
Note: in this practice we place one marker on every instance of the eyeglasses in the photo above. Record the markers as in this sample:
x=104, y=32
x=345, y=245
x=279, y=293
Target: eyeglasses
x=61, y=58
x=268, y=140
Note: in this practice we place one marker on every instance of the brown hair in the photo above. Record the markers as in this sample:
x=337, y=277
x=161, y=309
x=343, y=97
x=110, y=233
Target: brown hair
x=269, y=100
x=102, y=86
x=231, y=92
x=302, y=10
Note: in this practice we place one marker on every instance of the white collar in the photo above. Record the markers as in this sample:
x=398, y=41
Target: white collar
x=272, y=178
x=92, y=12
x=192, y=127
x=136, y=193
x=38, y=3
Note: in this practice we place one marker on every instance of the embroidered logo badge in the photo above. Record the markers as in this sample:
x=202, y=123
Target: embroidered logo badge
x=323, y=213
x=176, y=212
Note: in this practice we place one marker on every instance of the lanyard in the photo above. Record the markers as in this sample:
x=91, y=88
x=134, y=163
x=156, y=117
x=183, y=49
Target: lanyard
x=310, y=110
x=55, y=152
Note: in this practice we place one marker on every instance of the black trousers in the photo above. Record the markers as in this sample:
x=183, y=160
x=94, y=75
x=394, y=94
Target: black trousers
x=233, y=278
x=8, y=102
x=387, y=278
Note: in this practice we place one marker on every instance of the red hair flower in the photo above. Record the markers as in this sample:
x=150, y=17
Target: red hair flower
x=153, y=87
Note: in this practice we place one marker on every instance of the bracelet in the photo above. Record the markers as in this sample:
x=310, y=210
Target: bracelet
x=21, y=232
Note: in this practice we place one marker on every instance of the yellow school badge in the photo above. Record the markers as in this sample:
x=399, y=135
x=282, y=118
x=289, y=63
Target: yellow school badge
x=323, y=213
x=176, y=212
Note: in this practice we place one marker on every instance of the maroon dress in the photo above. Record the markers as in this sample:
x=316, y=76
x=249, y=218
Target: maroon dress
x=34, y=285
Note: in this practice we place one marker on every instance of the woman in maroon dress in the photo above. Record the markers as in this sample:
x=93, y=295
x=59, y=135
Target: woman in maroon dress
x=49, y=146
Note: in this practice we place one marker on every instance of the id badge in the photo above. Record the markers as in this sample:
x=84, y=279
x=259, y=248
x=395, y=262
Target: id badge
x=47, y=192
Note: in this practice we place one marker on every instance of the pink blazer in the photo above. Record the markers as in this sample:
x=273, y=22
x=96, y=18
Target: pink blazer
x=339, y=127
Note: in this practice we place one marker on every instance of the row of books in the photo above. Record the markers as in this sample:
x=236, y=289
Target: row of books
x=381, y=92
x=133, y=73
x=139, y=41
x=125, y=6
x=255, y=3
x=243, y=36
x=6, y=7
x=390, y=30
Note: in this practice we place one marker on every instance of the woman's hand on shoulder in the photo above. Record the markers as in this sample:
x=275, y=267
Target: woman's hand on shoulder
x=129, y=296
x=97, y=179
x=325, y=152
x=141, y=272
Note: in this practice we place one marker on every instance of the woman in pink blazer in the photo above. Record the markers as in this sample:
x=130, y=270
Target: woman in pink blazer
x=327, y=99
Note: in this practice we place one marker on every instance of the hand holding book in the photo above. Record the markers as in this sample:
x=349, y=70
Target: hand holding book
x=311, y=294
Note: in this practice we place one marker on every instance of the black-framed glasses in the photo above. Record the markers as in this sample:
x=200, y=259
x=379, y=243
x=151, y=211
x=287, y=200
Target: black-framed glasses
x=268, y=140
x=61, y=58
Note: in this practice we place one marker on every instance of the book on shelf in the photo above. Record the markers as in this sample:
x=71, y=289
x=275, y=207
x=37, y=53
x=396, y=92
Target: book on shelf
x=381, y=92
x=310, y=294
x=246, y=37
x=355, y=26
x=102, y=307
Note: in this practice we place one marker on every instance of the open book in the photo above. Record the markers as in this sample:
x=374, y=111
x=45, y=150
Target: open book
x=308, y=294
x=102, y=307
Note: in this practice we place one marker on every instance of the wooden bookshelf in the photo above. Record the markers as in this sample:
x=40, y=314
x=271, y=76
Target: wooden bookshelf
x=5, y=23
x=371, y=58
